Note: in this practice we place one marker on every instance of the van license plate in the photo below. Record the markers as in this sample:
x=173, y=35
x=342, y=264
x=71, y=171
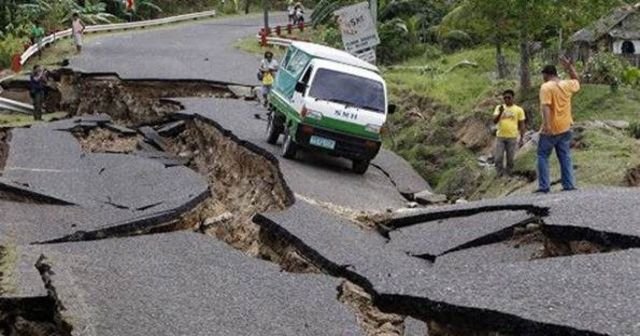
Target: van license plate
x=322, y=142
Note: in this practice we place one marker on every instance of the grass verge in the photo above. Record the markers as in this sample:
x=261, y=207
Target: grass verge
x=21, y=120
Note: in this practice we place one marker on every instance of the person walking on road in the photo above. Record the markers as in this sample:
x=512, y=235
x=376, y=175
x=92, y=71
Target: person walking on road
x=266, y=74
x=509, y=119
x=37, y=34
x=77, y=29
x=37, y=88
x=555, y=133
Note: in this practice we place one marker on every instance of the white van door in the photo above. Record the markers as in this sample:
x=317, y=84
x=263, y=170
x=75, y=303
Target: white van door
x=298, y=97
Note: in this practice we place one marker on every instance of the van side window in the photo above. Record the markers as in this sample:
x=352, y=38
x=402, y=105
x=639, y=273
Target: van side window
x=297, y=63
x=307, y=75
x=287, y=58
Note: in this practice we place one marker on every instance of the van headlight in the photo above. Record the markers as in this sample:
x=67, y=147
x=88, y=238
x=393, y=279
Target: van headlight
x=314, y=115
x=373, y=128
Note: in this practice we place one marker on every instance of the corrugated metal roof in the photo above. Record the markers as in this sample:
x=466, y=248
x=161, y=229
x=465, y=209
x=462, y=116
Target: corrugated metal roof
x=603, y=26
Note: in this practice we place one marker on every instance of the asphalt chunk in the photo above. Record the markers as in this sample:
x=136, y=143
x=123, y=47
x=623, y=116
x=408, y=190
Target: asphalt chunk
x=187, y=283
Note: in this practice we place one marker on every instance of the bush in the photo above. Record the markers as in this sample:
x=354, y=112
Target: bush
x=455, y=40
x=634, y=129
x=605, y=68
x=332, y=37
x=631, y=77
x=9, y=46
x=397, y=43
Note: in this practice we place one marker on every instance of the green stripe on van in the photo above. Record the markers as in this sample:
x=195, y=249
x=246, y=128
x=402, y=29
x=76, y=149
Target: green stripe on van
x=343, y=127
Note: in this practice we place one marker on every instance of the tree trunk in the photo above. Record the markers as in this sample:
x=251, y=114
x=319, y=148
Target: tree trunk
x=247, y=6
x=501, y=62
x=525, y=75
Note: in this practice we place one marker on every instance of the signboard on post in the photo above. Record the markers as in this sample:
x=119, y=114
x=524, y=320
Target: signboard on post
x=358, y=29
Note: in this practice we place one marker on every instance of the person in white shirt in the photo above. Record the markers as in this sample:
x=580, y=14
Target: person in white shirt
x=266, y=74
x=77, y=29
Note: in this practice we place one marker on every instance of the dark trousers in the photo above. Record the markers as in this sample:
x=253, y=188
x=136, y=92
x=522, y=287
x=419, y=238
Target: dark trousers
x=508, y=146
x=38, y=101
x=562, y=144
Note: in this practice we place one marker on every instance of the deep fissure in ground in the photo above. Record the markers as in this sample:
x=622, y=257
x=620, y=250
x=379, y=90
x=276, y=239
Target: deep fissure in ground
x=26, y=316
x=244, y=181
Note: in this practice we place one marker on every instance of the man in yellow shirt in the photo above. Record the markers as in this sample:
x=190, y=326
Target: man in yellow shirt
x=555, y=103
x=509, y=119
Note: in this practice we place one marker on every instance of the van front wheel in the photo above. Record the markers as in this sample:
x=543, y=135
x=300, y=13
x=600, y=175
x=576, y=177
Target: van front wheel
x=289, y=147
x=359, y=166
x=274, y=129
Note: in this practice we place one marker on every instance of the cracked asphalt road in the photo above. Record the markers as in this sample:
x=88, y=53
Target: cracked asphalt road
x=188, y=283
x=318, y=177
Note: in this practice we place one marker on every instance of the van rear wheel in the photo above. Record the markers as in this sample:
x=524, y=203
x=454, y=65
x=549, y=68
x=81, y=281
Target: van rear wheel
x=360, y=166
x=274, y=128
x=289, y=148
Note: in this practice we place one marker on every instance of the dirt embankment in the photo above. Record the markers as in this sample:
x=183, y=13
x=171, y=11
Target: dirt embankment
x=242, y=182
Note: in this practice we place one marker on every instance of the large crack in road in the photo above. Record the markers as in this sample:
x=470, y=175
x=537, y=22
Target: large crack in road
x=245, y=180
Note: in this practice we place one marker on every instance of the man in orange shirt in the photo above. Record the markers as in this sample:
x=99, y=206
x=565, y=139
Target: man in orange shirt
x=555, y=103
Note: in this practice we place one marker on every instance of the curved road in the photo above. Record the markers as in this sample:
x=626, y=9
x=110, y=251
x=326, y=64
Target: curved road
x=477, y=266
x=202, y=50
x=205, y=50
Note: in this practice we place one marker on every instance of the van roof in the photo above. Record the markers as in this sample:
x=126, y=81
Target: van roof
x=340, y=67
x=335, y=55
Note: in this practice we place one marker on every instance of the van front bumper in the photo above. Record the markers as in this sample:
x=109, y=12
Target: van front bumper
x=347, y=146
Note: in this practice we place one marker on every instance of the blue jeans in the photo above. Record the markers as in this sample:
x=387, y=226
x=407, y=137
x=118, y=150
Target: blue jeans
x=562, y=145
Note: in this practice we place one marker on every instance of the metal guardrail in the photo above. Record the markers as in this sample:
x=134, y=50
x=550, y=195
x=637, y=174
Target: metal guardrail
x=277, y=41
x=12, y=105
x=32, y=50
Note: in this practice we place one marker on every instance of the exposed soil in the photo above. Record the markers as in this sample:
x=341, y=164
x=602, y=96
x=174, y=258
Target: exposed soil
x=632, y=178
x=129, y=102
x=100, y=140
x=556, y=248
x=372, y=320
x=242, y=182
x=4, y=148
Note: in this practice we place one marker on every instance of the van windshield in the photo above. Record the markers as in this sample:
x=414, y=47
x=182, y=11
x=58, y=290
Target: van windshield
x=353, y=91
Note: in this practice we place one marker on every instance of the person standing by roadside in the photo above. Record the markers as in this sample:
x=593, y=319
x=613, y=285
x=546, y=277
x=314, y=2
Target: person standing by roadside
x=37, y=82
x=291, y=11
x=266, y=74
x=509, y=119
x=37, y=34
x=77, y=29
x=555, y=104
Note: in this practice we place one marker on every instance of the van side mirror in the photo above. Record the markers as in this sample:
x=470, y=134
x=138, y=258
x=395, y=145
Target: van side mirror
x=300, y=87
x=391, y=109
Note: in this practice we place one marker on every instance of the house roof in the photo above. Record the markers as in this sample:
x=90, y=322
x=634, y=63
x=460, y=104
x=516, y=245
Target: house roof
x=605, y=25
x=335, y=55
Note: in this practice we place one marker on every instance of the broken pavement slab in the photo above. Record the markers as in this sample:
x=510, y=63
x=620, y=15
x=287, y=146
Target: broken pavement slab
x=172, y=129
x=244, y=92
x=579, y=295
x=53, y=163
x=427, y=197
x=339, y=247
x=189, y=284
x=120, y=129
x=152, y=137
x=432, y=239
x=405, y=178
